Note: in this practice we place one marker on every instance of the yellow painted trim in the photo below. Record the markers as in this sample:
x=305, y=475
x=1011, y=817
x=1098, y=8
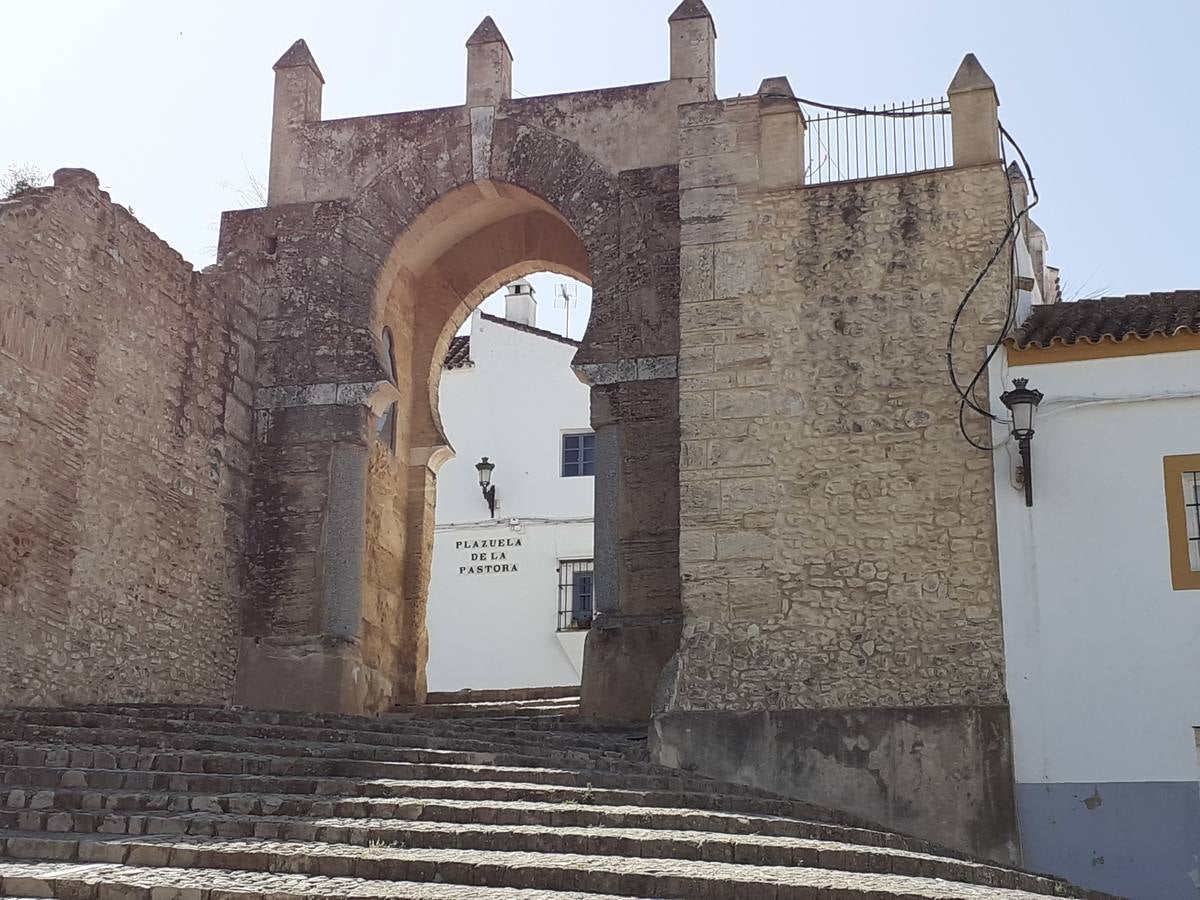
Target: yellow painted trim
x=1105, y=348
x=1183, y=577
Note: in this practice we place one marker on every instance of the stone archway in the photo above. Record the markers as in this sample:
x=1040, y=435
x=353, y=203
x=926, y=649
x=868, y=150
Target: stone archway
x=464, y=246
x=342, y=532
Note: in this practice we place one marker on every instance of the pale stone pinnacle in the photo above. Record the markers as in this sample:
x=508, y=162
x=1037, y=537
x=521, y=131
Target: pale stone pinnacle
x=970, y=77
x=690, y=9
x=486, y=33
x=299, y=55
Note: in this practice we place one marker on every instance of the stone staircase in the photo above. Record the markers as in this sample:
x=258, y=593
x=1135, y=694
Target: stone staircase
x=467, y=704
x=186, y=803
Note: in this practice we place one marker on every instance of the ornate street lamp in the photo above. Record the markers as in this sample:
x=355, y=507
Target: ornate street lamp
x=485, y=482
x=1022, y=402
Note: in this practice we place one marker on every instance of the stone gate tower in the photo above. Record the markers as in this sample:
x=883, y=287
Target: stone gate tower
x=795, y=554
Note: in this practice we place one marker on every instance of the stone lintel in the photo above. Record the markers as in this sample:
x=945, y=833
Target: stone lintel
x=376, y=394
x=642, y=368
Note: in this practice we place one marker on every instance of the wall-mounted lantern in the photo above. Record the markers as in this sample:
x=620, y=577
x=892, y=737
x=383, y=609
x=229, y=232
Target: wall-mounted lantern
x=1022, y=402
x=485, y=482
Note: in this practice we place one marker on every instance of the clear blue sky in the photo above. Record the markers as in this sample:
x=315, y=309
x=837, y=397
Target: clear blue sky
x=170, y=103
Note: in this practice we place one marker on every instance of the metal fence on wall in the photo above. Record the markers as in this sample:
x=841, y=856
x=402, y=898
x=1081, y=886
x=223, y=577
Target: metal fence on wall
x=881, y=140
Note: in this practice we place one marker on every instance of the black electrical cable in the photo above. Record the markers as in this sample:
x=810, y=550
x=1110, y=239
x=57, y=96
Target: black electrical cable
x=857, y=111
x=966, y=396
x=1015, y=217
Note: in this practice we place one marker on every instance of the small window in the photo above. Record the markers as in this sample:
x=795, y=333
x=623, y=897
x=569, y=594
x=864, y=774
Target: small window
x=1182, y=481
x=576, y=594
x=387, y=422
x=389, y=353
x=578, y=454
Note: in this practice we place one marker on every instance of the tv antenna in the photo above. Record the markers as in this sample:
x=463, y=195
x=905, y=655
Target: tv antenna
x=567, y=297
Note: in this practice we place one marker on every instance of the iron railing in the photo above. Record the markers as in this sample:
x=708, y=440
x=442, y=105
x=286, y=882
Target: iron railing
x=576, y=594
x=880, y=140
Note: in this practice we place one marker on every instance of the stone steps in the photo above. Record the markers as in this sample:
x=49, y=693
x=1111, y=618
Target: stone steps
x=138, y=801
x=470, y=695
x=418, y=749
x=171, y=815
x=626, y=876
x=50, y=766
x=747, y=849
x=401, y=732
x=323, y=797
x=163, y=771
x=100, y=881
x=499, y=708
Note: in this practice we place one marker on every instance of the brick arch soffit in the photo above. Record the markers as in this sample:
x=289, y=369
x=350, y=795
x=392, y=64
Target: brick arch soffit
x=539, y=182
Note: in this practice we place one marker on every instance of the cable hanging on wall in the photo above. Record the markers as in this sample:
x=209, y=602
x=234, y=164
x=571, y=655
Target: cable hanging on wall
x=967, y=399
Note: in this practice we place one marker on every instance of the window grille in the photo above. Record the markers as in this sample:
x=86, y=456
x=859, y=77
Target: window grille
x=576, y=594
x=1182, y=480
x=578, y=454
x=1191, y=508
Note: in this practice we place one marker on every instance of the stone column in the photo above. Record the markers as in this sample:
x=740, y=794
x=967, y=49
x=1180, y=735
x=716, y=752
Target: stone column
x=637, y=624
x=413, y=651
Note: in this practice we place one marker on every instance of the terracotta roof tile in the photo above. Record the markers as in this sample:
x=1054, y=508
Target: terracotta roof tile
x=459, y=354
x=529, y=329
x=1110, y=318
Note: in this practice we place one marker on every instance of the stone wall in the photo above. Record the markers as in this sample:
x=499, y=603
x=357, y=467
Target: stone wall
x=125, y=379
x=837, y=539
x=837, y=532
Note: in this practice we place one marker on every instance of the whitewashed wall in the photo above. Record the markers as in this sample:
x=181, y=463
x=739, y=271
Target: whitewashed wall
x=498, y=629
x=1102, y=655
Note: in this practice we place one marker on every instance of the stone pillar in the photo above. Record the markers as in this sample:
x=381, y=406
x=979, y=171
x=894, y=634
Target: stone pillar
x=489, y=66
x=693, y=46
x=637, y=624
x=424, y=463
x=973, y=106
x=780, y=136
x=298, y=84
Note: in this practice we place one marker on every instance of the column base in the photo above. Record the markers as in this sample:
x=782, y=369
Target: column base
x=940, y=773
x=623, y=658
x=309, y=678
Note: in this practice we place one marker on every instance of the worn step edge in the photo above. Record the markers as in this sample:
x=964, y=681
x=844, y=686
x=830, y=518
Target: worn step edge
x=744, y=849
x=199, y=785
x=628, y=876
x=173, y=815
x=208, y=741
x=470, y=695
x=385, y=723
x=23, y=769
x=303, y=793
x=58, y=754
x=427, y=729
x=72, y=735
x=97, y=881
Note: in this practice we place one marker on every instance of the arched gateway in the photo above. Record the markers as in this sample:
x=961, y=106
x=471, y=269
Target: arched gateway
x=406, y=222
x=795, y=551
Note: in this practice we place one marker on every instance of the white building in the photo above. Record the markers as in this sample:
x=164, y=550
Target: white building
x=1100, y=585
x=511, y=594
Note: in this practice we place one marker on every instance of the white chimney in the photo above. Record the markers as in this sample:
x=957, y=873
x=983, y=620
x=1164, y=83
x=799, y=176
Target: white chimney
x=520, y=305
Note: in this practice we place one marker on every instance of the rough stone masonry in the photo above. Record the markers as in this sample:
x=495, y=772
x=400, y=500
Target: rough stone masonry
x=219, y=486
